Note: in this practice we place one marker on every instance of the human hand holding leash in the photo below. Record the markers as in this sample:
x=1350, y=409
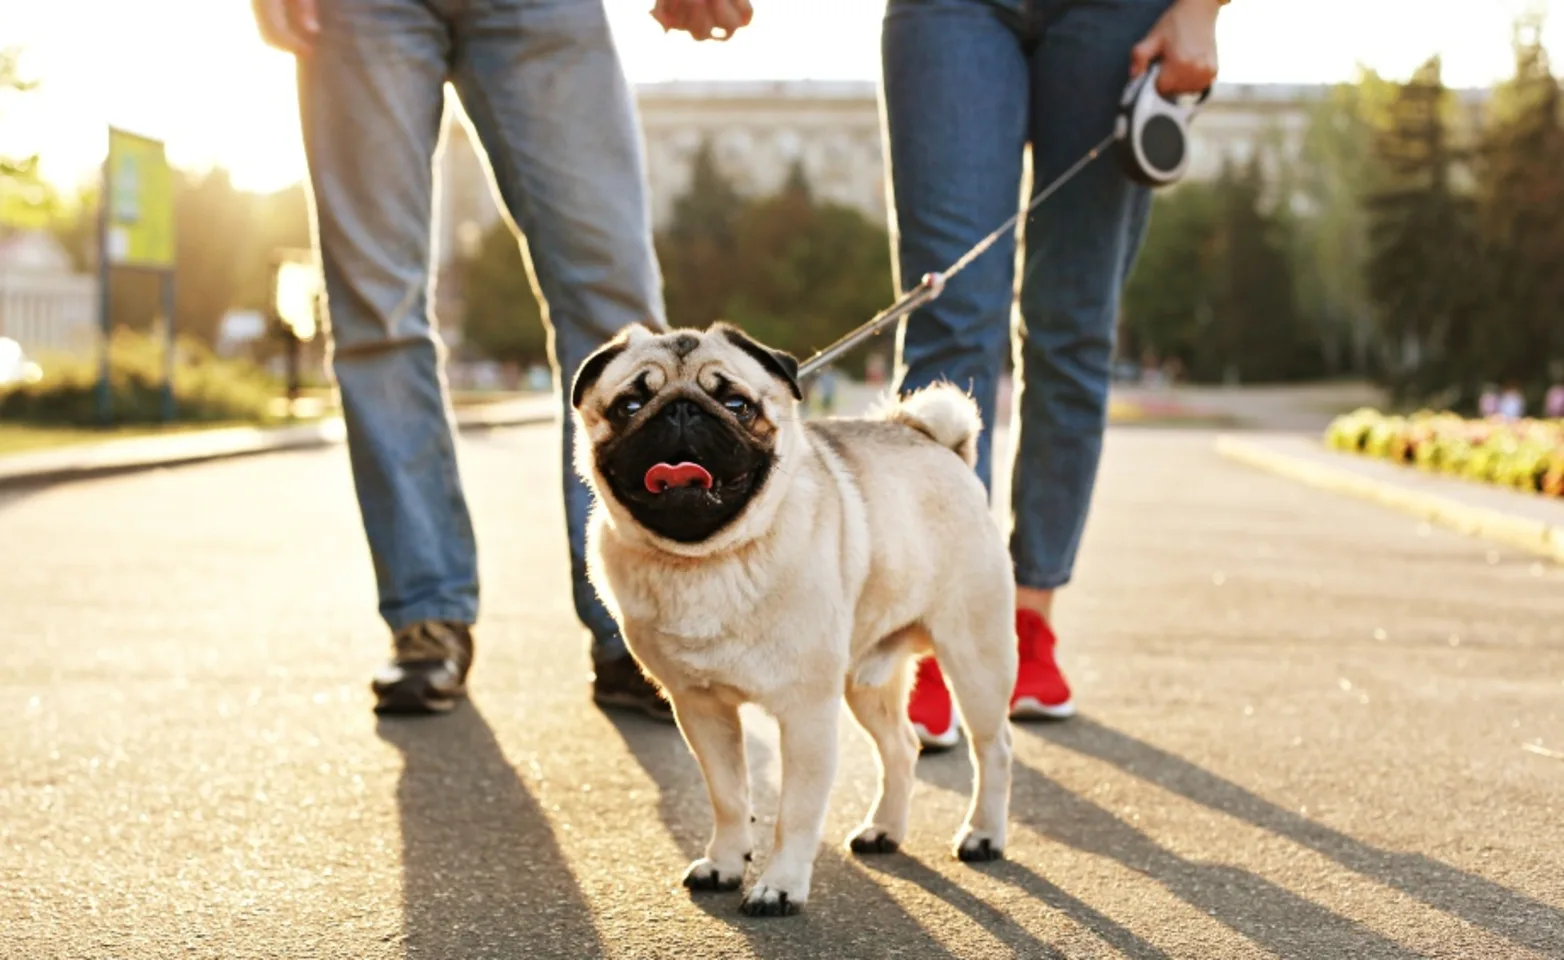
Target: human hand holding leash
x=704, y=19
x=1185, y=41
x=289, y=25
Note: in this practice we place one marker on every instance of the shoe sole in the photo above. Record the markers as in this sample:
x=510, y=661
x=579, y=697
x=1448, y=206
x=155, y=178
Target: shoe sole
x=934, y=743
x=402, y=701
x=634, y=705
x=1030, y=708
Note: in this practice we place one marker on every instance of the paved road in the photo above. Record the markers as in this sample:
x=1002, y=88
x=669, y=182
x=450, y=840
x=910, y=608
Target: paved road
x=1305, y=736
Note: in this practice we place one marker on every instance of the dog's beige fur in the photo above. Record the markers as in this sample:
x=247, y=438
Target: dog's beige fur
x=870, y=543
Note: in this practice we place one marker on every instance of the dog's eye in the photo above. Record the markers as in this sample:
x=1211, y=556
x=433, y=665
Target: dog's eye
x=625, y=407
x=739, y=407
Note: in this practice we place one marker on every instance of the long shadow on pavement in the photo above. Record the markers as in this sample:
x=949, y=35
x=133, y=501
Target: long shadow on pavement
x=1271, y=916
x=482, y=875
x=11, y=496
x=1000, y=926
x=1481, y=902
x=849, y=915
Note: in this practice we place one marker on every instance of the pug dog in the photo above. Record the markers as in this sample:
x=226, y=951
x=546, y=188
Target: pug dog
x=752, y=557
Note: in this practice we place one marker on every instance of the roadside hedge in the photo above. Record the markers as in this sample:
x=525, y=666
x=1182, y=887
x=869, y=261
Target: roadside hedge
x=1523, y=454
x=207, y=388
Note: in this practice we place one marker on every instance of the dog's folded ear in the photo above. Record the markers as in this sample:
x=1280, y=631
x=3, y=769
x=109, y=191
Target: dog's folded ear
x=781, y=365
x=593, y=366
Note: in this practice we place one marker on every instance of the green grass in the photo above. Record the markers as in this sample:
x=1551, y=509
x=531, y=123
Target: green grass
x=24, y=438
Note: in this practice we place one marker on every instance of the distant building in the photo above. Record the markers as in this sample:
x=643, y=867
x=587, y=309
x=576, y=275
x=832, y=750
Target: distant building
x=44, y=304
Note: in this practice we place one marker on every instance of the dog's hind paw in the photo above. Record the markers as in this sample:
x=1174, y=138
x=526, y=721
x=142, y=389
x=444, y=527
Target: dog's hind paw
x=705, y=876
x=975, y=846
x=768, y=901
x=870, y=840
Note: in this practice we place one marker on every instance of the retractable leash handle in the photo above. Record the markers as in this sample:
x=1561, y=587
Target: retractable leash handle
x=1153, y=131
x=1151, y=134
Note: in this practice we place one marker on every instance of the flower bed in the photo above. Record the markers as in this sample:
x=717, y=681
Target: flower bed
x=1524, y=454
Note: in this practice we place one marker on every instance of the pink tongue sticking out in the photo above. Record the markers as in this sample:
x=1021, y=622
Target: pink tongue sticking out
x=666, y=475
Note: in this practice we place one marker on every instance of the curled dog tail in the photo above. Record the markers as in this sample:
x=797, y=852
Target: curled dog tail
x=942, y=412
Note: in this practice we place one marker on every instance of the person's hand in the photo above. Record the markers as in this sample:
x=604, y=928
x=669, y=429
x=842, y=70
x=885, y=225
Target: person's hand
x=704, y=19
x=1185, y=40
x=289, y=25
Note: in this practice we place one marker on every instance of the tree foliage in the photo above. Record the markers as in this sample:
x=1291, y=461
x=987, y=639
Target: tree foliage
x=501, y=318
x=11, y=82
x=1214, y=285
x=1335, y=169
x=1519, y=198
x=803, y=272
x=1424, y=262
x=1469, y=236
x=1418, y=244
x=793, y=271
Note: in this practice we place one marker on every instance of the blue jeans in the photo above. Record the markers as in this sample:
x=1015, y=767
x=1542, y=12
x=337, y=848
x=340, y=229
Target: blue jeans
x=968, y=85
x=542, y=83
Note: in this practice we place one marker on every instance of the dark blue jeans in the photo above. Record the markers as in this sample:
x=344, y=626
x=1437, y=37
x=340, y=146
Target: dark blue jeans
x=968, y=85
x=542, y=83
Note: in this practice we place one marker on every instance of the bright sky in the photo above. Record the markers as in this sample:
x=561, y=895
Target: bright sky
x=193, y=73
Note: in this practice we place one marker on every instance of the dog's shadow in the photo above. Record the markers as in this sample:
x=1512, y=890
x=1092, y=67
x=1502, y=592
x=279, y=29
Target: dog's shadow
x=848, y=911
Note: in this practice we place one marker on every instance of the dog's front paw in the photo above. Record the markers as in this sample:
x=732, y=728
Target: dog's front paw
x=706, y=875
x=977, y=846
x=764, y=900
x=871, y=839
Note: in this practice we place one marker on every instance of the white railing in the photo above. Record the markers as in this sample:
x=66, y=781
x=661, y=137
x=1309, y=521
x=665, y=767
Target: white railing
x=48, y=313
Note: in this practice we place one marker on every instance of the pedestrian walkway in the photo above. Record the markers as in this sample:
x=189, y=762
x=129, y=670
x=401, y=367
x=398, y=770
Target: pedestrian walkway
x=1312, y=728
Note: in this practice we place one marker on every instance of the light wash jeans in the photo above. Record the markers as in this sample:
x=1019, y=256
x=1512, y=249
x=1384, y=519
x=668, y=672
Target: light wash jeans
x=542, y=83
x=968, y=85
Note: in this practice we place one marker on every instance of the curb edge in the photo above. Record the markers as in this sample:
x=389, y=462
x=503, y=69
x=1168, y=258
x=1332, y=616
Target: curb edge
x=1534, y=536
x=329, y=433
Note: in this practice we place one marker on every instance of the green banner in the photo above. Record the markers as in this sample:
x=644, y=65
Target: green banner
x=140, y=195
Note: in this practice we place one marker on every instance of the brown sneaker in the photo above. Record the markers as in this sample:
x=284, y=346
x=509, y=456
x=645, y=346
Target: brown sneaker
x=428, y=668
x=620, y=684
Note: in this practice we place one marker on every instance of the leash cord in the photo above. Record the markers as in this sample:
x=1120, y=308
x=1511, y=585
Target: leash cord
x=933, y=284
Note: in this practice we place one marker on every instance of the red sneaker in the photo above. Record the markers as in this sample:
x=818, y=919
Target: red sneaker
x=930, y=709
x=1041, y=690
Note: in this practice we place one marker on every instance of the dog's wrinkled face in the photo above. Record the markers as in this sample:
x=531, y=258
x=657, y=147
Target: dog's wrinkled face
x=684, y=426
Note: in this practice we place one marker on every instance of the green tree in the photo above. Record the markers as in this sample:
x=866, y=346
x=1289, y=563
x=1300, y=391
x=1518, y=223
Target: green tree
x=697, y=250
x=1214, y=285
x=1335, y=171
x=25, y=199
x=212, y=224
x=1520, y=216
x=807, y=271
x=501, y=318
x=1254, y=308
x=792, y=270
x=1425, y=269
x=11, y=82
x=1167, y=302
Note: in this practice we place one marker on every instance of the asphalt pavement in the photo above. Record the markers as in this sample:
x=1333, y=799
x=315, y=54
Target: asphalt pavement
x=1311, y=728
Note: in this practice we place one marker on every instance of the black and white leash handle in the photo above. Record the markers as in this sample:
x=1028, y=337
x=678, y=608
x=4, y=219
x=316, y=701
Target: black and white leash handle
x=1152, y=134
x=1153, y=130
